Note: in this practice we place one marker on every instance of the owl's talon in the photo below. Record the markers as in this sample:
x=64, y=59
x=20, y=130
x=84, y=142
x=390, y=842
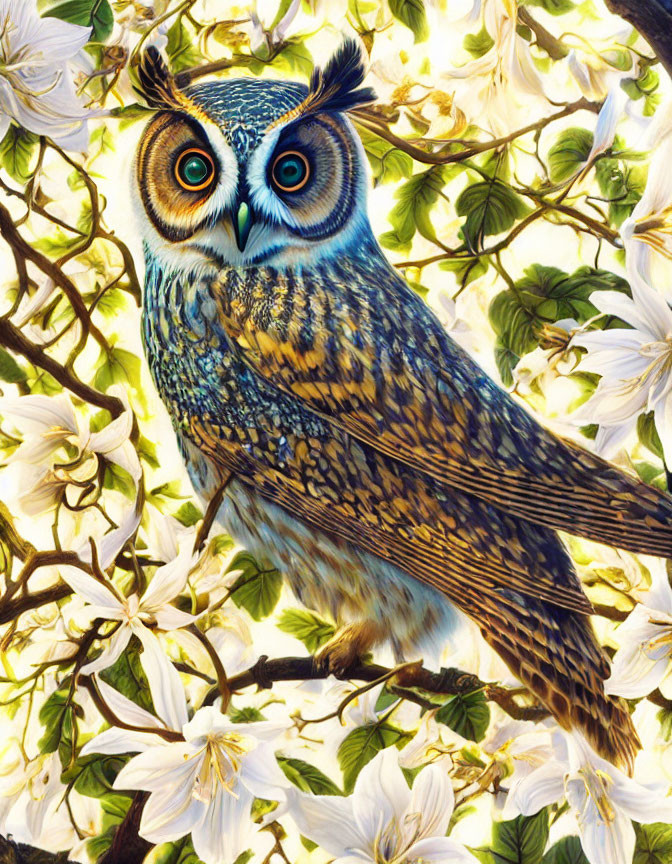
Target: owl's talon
x=347, y=648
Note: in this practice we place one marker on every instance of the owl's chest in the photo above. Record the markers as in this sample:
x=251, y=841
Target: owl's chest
x=204, y=383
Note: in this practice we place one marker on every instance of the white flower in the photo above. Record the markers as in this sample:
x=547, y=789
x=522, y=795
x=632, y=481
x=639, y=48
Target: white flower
x=36, y=88
x=28, y=787
x=203, y=785
x=504, y=78
x=648, y=229
x=604, y=800
x=137, y=615
x=635, y=365
x=642, y=663
x=383, y=820
x=49, y=422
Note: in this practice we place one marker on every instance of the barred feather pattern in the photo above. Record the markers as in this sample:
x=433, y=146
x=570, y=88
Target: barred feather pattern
x=299, y=469
x=334, y=88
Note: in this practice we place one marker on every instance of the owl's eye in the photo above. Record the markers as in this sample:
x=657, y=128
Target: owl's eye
x=290, y=171
x=194, y=169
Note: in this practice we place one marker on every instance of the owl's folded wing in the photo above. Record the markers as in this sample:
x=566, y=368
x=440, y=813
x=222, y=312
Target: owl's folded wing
x=375, y=361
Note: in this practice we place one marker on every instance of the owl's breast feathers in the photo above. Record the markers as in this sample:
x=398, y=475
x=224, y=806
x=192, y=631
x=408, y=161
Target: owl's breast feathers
x=336, y=394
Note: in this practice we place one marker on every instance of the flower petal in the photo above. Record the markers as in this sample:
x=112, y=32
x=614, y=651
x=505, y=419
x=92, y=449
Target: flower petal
x=381, y=794
x=262, y=775
x=174, y=765
x=164, y=680
x=91, y=589
x=327, y=820
x=115, y=741
x=170, y=814
x=439, y=850
x=540, y=788
x=432, y=799
x=226, y=827
x=125, y=709
x=168, y=581
x=112, y=650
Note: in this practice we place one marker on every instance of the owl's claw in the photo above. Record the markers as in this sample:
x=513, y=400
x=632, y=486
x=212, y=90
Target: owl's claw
x=347, y=648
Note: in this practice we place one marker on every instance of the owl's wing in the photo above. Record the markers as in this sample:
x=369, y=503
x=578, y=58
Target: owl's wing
x=370, y=356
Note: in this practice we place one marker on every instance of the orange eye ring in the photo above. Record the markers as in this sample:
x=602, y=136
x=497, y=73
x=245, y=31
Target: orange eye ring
x=194, y=169
x=286, y=166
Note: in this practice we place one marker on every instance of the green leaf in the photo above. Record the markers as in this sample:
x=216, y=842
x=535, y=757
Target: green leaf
x=307, y=777
x=128, y=677
x=116, y=366
x=415, y=200
x=294, y=58
x=570, y=151
x=94, y=774
x=306, y=626
x=543, y=295
x=182, y=47
x=56, y=244
x=479, y=43
x=516, y=329
x=622, y=184
x=130, y=114
x=412, y=14
x=653, y=844
x=18, y=153
x=468, y=715
x=522, y=840
x=246, y=714
x=56, y=712
x=555, y=7
x=10, y=370
x=96, y=14
x=256, y=590
x=664, y=717
x=362, y=744
x=466, y=270
x=188, y=514
x=566, y=851
x=491, y=207
x=388, y=164
x=648, y=434
x=179, y=852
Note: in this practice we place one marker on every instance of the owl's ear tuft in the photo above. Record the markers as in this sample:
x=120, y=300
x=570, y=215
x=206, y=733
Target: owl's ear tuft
x=159, y=87
x=337, y=86
x=157, y=84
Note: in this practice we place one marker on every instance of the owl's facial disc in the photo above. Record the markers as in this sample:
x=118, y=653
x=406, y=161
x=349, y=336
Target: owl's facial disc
x=187, y=175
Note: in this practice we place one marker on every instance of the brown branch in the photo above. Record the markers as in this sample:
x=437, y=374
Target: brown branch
x=653, y=20
x=12, y=610
x=20, y=547
x=108, y=714
x=449, y=682
x=21, y=853
x=12, y=337
x=21, y=249
x=372, y=122
x=555, y=49
x=128, y=847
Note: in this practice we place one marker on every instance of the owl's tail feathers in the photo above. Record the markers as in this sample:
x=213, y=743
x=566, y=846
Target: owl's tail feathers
x=555, y=654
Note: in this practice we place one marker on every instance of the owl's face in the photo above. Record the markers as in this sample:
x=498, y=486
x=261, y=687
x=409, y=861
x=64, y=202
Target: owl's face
x=249, y=171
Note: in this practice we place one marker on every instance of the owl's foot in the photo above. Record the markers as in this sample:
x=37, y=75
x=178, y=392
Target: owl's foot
x=347, y=647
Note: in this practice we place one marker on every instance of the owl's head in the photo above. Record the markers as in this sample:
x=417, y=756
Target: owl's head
x=247, y=171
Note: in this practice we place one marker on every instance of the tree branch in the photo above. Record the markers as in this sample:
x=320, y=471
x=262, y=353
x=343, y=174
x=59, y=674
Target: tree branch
x=555, y=49
x=450, y=682
x=11, y=337
x=653, y=20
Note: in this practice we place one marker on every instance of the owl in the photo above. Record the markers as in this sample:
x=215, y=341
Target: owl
x=357, y=447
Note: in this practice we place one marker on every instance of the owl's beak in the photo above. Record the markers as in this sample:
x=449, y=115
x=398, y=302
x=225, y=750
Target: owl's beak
x=242, y=224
